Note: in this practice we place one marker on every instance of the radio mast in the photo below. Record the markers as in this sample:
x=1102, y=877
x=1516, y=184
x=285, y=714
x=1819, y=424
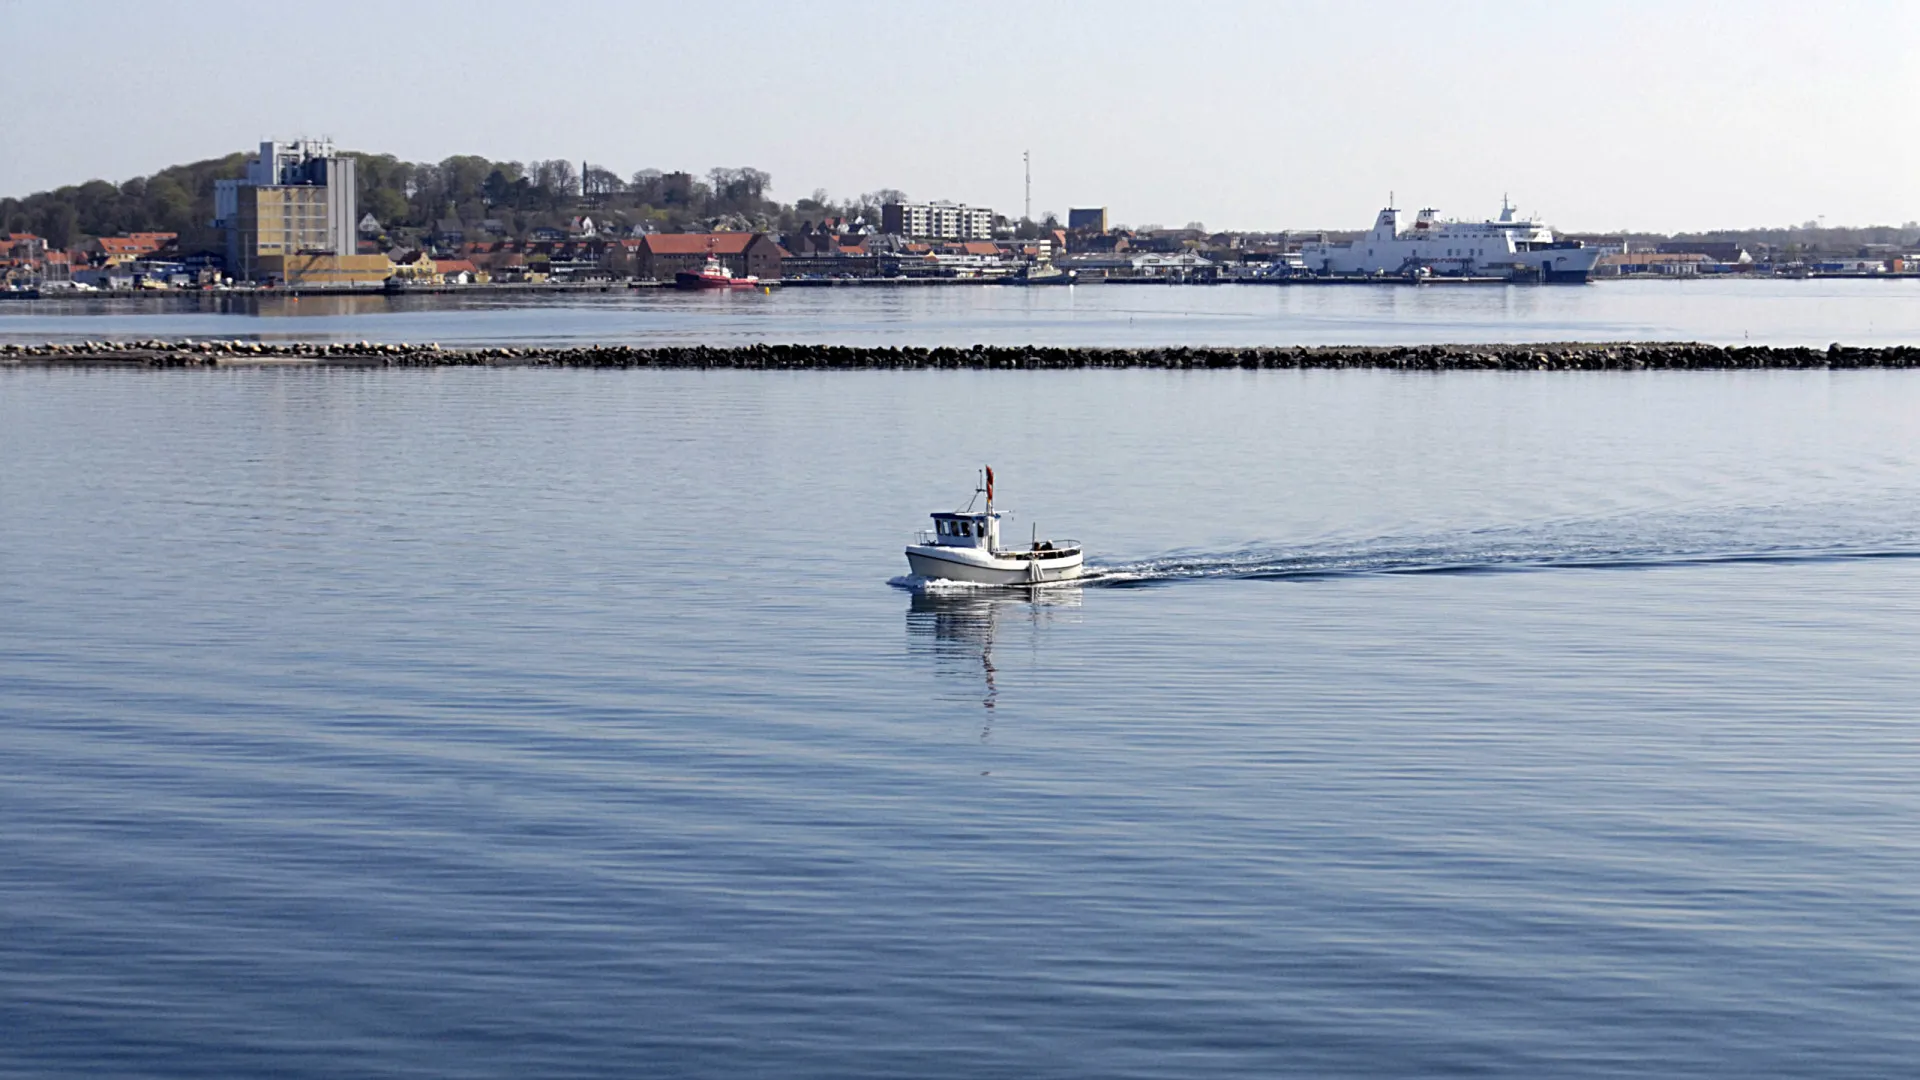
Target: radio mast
x=1026, y=159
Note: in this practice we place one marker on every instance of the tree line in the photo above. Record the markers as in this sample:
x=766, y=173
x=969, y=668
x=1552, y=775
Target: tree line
x=408, y=197
x=1811, y=238
x=177, y=199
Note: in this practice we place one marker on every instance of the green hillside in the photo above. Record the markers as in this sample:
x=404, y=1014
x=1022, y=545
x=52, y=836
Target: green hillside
x=409, y=196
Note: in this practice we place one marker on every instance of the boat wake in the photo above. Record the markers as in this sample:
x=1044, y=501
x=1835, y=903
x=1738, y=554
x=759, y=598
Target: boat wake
x=1642, y=542
x=1302, y=565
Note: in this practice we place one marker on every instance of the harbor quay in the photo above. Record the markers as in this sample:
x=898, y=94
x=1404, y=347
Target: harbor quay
x=1572, y=356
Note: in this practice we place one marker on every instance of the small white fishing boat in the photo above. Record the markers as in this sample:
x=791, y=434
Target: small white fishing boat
x=964, y=545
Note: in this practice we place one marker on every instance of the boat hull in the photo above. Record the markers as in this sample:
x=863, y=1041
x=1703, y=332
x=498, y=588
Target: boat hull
x=1058, y=277
x=938, y=563
x=1506, y=248
x=688, y=280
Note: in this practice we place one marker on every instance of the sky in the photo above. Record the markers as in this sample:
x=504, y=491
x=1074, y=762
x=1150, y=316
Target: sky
x=1657, y=116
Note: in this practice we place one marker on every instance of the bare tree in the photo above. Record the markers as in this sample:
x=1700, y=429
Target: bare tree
x=602, y=182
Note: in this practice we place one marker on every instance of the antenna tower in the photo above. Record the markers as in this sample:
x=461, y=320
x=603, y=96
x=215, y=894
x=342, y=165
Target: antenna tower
x=1026, y=159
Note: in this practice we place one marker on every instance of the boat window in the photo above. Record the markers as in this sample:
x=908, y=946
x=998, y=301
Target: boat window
x=944, y=531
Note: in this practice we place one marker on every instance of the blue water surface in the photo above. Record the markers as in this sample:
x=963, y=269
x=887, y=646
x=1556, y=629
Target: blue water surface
x=512, y=723
x=1725, y=311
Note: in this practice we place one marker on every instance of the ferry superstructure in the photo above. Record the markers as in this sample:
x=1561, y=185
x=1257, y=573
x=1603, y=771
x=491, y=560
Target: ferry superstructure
x=1507, y=247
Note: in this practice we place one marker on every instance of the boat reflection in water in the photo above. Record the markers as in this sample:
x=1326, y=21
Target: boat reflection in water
x=962, y=628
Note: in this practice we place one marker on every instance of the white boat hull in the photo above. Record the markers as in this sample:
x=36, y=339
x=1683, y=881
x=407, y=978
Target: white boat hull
x=1505, y=248
x=943, y=563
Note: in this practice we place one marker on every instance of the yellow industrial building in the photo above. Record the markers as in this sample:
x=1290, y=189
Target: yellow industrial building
x=275, y=222
x=322, y=269
x=296, y=200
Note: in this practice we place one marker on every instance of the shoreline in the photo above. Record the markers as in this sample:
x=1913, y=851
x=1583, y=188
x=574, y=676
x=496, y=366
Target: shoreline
x=572, y=288
x=1562, y=356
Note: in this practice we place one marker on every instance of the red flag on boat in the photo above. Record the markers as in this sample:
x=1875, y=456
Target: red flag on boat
x=989, y=483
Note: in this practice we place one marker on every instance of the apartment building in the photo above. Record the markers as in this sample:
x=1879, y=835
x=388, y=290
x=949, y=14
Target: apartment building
x=937, y=221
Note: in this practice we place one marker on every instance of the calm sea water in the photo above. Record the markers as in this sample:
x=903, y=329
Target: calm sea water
x=566, y=723
x=1770, y=312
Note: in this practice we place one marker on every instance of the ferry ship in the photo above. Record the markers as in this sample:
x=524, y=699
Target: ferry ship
x=1508, y=248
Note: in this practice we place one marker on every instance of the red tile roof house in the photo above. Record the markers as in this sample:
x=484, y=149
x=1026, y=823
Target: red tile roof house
x=458, y=271
x=502, y=264
x=623, y=258
x=23, y=247
x=123, y=249
x=660, y=256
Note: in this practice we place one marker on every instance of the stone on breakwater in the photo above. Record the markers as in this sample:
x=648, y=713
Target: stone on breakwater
x=1606, y=356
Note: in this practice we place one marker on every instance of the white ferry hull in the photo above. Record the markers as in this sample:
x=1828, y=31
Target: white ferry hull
x=942, y=563
x=1557, y=264
x=1504, y=248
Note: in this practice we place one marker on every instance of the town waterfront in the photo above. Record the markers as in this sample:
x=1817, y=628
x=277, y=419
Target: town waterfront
x=1725, y=311
x=510, y=722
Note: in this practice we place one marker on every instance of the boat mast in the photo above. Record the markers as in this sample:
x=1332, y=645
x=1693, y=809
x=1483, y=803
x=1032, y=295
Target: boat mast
x=993, y=533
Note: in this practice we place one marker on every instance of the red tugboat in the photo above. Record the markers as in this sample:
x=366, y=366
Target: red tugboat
x=714, y=275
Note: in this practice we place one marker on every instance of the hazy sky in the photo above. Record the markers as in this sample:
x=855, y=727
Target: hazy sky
x=1260, y=114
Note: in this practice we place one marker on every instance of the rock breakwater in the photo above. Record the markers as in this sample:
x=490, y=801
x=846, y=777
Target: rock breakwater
x=1653, y=356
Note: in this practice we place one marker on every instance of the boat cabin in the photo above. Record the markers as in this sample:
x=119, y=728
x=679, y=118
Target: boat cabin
x=974, y=530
